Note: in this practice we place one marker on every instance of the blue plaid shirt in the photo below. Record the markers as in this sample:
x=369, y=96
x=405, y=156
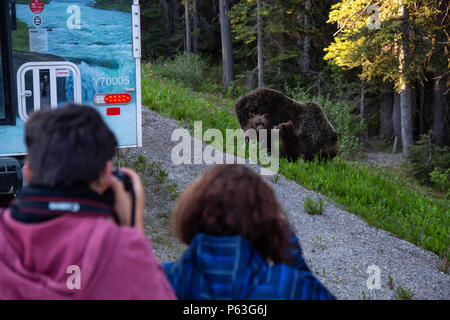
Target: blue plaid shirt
x=228, y=267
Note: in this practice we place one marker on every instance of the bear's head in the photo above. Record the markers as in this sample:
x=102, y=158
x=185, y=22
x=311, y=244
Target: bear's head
x=286, y=129
x=255, y=123
x=258, y=121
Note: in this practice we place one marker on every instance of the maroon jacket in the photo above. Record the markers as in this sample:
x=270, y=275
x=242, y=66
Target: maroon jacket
x=77, y=257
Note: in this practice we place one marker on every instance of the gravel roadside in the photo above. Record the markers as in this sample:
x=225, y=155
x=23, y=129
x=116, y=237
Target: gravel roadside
x=338, y=246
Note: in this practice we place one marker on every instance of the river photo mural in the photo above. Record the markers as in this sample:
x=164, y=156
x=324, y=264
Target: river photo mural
x=96, y=38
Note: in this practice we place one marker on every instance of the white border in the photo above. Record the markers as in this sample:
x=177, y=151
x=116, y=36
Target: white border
x=12, y=154
x=136, y=31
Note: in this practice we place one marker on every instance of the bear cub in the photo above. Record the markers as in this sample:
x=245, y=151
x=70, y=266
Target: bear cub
x=258, y=122
x=292, y=146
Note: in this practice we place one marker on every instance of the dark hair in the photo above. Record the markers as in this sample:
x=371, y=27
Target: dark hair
x=233, y=200
x=68, y=146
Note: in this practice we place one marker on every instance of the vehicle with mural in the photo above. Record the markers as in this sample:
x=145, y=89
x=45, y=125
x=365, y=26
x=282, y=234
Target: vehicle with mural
x=55, y=52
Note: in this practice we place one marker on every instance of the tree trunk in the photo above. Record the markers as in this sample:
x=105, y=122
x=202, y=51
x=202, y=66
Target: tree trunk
x=438, y=110
x=195, y=26
x=175, y=17
x=421, y=108
x=406, y=119
x=363, y=131
x=396, y=116
x=306, y=45
x=259, y=28
x=227, y=51
x=386, y=103
x=414, y=112
x=441, y=135
x=188, y=26
x=165, y=17
x=405, y=85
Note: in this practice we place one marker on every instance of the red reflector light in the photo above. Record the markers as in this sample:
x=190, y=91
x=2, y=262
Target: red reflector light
x=113, y=111
x=120, y=98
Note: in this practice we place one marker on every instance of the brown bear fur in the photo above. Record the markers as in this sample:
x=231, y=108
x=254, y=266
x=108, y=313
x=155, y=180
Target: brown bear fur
x=309, y=120
x=292, y=146
x=258, y=122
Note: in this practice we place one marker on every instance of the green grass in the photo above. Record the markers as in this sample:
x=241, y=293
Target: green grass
x=20, y=37
x=121, y=5
x=174, y=101
x=314, y=207
x=390, y=282
x=364, y=297
x=404, y=294
x=385, y=203
x=151, y=173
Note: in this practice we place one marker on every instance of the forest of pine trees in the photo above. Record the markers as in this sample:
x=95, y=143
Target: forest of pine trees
x=387, y=59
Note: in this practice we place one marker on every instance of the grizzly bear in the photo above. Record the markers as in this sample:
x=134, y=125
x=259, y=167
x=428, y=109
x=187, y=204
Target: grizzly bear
x=258, y=122
x=292, y=146
x=309, y=121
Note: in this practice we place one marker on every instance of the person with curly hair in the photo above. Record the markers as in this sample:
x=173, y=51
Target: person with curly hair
x=240, y=243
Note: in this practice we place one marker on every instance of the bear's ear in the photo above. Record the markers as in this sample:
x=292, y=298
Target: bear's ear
x=251, y=115
x=266, y=115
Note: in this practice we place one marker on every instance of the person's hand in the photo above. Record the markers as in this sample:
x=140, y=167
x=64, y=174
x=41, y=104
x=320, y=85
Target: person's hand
x=122, y=199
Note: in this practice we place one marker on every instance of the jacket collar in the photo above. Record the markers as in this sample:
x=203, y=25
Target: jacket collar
x=39, y=203
x=230, y=253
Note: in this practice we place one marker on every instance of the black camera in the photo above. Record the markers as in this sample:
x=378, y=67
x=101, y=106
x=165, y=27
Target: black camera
x=125, y=180
x=128, y=186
